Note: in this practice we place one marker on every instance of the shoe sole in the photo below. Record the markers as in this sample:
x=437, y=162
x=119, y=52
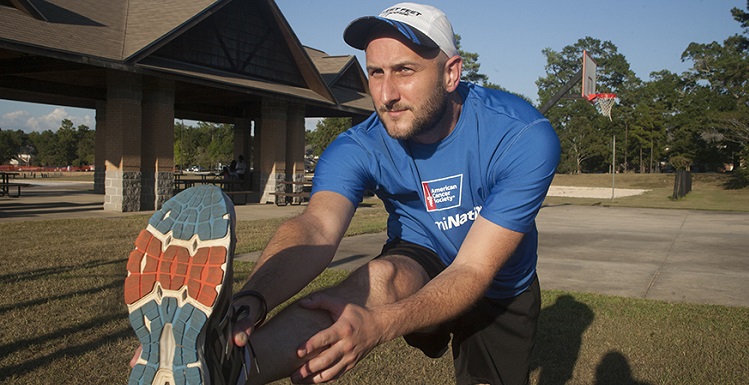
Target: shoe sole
x=178, y=285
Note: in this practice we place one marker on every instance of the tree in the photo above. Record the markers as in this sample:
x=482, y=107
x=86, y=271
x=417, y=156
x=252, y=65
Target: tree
x=45, y=147
x=470, y=66
x=10, y=144
x=325, y=132
x=205, y=145
x=86, y=146
x=722, y=72
x=220, y=144
x=67, y=144
x=651, y=123
x=584, y=134
x=181, y=152
x=743, y=18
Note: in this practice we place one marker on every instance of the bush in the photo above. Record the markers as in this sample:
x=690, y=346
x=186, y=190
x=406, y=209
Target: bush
x=739, y=179
x=680, y=162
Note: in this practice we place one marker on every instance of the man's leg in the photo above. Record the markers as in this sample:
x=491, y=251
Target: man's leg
x=492, y=343
x=382, y=280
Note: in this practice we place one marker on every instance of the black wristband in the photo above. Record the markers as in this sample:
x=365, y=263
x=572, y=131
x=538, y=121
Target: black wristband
x=264, y=305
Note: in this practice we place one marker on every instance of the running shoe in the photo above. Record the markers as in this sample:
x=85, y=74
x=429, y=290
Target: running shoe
x=178, y=293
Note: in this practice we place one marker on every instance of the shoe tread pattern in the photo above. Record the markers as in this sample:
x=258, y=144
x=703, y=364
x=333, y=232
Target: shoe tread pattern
x=171, y=292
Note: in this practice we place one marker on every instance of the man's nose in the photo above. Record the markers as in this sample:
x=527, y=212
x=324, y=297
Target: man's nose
x=389, y=92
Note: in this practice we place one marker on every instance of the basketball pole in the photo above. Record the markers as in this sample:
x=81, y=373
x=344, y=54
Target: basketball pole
x=613, y=166
x=562, y=92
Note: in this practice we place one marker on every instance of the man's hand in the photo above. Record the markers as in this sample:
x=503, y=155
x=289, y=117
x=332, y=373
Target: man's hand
x=243, y=327
x=242, y=331
x=340, y=347
x=137, y=354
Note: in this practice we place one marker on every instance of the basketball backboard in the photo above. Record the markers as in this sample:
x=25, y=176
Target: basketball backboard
x=586, y=75
x=589, y=76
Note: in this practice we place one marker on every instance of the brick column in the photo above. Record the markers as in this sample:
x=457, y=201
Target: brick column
x=157, y=162
x=100, y=149
x=270, y=162
x=123, y=142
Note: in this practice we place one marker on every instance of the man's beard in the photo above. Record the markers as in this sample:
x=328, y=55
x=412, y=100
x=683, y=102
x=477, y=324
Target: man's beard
x=427, y=118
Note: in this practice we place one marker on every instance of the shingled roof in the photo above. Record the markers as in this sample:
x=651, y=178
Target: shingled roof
x=344, y=76
x=244, y=48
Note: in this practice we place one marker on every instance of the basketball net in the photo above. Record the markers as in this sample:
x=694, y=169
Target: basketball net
x=604, y=103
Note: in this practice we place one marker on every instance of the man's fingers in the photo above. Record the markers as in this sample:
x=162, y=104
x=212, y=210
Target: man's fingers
x=242, y=330
x=334, y=307
x=331, y=374
x=320, y=301
x=241, y=335
x=240, y=338
x=321, y=340
x=315, y=370
x=137, y=354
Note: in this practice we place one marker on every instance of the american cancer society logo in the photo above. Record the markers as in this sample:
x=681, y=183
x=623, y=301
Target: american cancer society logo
x=442, y=194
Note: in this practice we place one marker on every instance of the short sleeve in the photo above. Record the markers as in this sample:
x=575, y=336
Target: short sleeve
x=520, y=177
x=344, y=168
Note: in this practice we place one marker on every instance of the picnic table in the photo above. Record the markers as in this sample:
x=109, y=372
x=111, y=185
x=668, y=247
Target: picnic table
x=288, y=192
x=231, y=187
x=6, y=184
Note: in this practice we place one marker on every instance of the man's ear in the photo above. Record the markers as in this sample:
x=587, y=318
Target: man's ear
x=453, y=71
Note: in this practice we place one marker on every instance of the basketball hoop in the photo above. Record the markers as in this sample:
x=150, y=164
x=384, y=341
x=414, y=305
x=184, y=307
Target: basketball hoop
x=604, y=103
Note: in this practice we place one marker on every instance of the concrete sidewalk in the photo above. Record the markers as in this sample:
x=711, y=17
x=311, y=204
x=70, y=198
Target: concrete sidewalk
x=671, y=255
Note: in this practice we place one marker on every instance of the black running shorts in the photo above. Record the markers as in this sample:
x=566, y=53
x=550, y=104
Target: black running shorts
x=492, y=342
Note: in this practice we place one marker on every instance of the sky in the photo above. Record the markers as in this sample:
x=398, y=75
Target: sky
x=509, y=37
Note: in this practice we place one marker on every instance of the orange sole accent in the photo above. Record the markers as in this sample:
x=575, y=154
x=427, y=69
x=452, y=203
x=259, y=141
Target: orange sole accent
x=173, y=269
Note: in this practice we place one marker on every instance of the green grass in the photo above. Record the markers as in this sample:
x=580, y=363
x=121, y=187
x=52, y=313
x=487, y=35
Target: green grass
x=63, y=319
x=708, y=192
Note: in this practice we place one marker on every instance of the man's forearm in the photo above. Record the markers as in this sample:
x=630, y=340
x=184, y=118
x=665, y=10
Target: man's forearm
x=301, y=248
x=293, y=258
x=443, y=298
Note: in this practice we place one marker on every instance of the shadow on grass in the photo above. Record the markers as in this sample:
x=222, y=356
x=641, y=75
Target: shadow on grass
x=34, y=345
x=560, y=330
x=65, y=353
x=61, y=333
x=73, y=295
x=64, y=338
x=55, y=270
x=614, y=369
x=560, y=337
x=23, y=210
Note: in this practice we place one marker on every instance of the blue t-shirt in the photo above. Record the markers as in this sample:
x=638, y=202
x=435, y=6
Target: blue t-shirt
x=498, y=162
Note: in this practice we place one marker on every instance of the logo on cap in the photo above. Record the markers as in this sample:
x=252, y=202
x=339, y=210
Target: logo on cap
x=400, y=11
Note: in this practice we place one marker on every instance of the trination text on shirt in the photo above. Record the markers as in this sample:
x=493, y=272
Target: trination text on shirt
x=458, y=220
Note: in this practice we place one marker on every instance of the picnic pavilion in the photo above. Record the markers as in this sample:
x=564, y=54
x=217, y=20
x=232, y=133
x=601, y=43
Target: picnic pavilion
x=141, y=64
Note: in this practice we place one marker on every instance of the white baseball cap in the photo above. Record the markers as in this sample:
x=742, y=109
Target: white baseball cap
x=423, y=25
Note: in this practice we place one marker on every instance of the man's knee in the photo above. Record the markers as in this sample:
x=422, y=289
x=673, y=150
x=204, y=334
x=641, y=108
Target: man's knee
x=387, y=279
